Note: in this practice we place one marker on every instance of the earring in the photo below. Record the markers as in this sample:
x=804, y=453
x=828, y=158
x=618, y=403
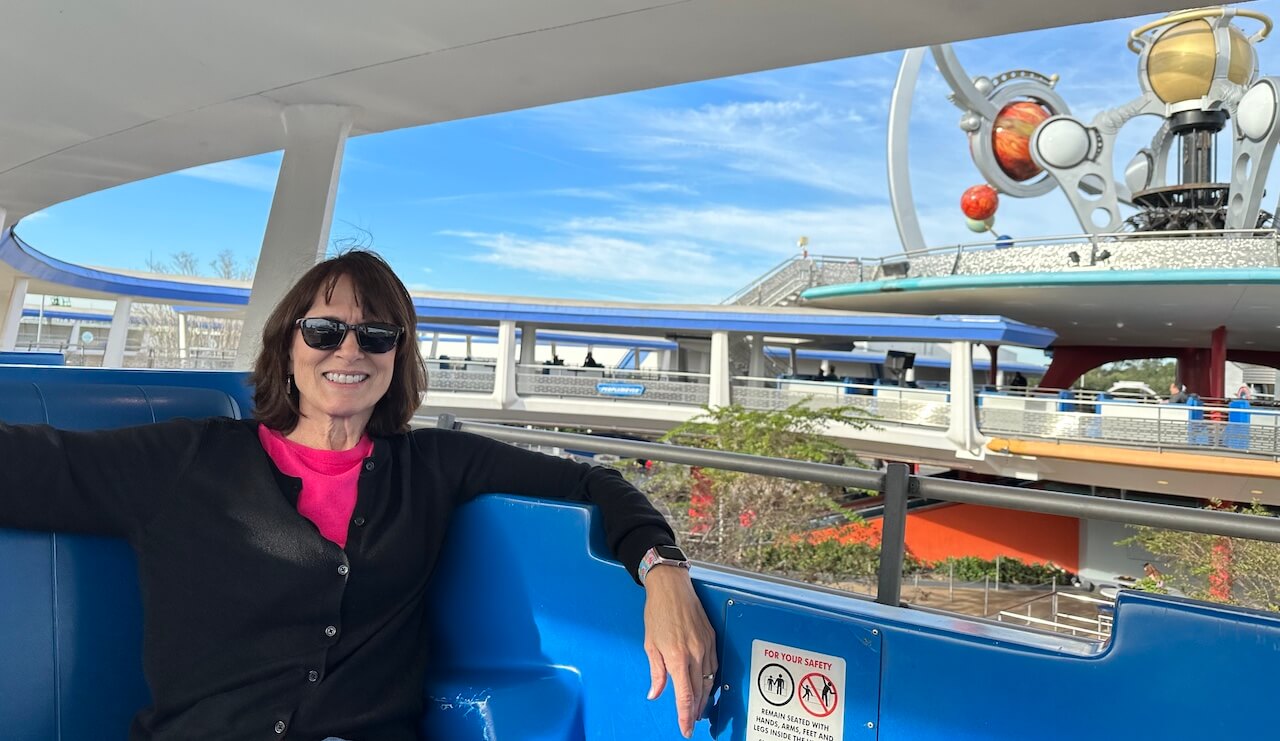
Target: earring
x=288, y=382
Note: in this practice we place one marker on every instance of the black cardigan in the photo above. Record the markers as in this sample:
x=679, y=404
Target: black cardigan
x=256, y=626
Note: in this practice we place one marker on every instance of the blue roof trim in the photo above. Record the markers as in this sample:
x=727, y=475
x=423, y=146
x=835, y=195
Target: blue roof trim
x=984, y=329
x=77, y=316
x=556, y=337
x=26, y=259
x=923, y=361
x=1075, y=279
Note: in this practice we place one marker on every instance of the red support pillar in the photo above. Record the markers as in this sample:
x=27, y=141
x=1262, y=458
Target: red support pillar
x=1217, y=364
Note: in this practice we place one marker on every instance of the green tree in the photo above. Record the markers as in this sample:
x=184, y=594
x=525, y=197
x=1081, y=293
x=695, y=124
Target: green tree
x=1157, y=373
x=735, y=518
x=1194, y=561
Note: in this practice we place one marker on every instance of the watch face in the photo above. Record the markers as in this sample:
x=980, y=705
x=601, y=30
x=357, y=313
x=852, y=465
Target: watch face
x=671, y=552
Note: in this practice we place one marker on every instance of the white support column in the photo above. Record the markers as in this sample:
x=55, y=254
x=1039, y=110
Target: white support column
x=182, y=336
x=528, y=344
x=435, y=345
x=114, y=355
x=757, y=364
x=719, y=392
x=301, y=212
x=668, y=361
x=504, y=378
x=963, y=430
x=13, y=316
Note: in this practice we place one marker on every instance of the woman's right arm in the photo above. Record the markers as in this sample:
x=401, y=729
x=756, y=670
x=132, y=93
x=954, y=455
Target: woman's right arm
x=108, y=482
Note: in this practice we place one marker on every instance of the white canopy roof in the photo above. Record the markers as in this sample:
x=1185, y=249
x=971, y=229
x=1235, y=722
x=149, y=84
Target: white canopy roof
x=96, y=94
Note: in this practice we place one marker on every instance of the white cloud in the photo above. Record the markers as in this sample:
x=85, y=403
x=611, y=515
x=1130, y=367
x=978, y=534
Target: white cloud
x=689, y=254
x=240, y=173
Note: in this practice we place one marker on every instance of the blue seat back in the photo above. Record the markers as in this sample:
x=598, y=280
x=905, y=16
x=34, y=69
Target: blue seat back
x=71, y=622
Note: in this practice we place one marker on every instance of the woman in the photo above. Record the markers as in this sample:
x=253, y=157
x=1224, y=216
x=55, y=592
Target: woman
x=284, y=559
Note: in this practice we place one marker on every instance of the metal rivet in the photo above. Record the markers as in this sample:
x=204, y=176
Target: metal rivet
x=731, y=602
x=725, y=687
x=870, y=724
x=875, y=632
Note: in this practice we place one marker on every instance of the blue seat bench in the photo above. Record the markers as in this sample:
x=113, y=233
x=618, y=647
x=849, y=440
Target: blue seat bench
x=550, y=649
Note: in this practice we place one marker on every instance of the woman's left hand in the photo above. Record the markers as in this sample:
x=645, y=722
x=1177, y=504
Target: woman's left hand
x=680, y=642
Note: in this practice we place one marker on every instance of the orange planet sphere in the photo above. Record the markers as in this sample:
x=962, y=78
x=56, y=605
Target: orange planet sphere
x=1011, y=138
x=979, y=202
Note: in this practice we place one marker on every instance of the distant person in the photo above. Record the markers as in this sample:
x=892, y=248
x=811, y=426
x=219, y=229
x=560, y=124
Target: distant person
x=1018, y=381
x=590, y=362
x=831, y=373
x=557, y=360
x=1177, y=394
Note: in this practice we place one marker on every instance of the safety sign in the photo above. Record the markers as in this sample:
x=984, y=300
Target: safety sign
x=797, y=695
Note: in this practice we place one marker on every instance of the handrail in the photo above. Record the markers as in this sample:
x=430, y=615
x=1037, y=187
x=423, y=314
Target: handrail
x=1042, y=240
x=647, y=372
x=897, y=484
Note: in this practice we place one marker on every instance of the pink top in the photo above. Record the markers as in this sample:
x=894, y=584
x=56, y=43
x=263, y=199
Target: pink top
x=329, y=479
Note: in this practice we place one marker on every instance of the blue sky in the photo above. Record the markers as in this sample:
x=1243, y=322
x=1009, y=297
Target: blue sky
x=681, y=194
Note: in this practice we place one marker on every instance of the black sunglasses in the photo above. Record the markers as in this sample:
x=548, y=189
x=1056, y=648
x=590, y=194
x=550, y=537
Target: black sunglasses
x=327, y=334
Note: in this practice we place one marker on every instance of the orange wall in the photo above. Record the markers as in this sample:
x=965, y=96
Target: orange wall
x=986, y=532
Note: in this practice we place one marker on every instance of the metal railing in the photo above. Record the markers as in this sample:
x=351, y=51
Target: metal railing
x=794, y=275
x=1131, y=423
x=910, y=406
x=897, y=485
x=461, y=375
x=614, y=384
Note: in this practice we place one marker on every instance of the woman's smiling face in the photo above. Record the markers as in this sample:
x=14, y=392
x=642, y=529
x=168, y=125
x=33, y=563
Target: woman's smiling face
x=342, y=385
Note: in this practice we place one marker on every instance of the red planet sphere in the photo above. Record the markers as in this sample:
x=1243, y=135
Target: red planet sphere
x=1011, y=138
x=979, y=202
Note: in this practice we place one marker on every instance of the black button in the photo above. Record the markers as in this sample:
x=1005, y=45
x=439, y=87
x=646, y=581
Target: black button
x=358, y=522
x=343, y=570
x=330, y=631
x=313, y=676
x=279, y=726
x=368, y=465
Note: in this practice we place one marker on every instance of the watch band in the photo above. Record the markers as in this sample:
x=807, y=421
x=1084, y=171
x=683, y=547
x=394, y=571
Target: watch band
x=653, y=558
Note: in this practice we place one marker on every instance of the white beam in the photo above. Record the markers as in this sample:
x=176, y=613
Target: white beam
x=113, y=357
x=963, y=429
x=13, y=315
x=719, y=391
x=297, y=233
x=504, y=377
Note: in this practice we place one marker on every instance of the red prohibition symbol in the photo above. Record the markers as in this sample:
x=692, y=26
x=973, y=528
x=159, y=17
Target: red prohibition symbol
x=818, y=695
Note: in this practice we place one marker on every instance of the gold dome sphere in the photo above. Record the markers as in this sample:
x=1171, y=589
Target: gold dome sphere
x=1180, y=64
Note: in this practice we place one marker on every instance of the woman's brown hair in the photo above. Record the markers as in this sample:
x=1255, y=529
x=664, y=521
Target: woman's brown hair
x=383, y=298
